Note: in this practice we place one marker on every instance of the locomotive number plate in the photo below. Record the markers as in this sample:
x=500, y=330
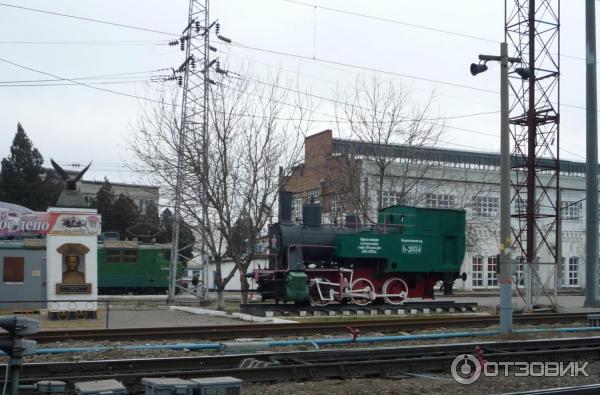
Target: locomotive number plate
x=412, y=247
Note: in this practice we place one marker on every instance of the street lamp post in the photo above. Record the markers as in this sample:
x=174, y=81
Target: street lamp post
x=505, y=229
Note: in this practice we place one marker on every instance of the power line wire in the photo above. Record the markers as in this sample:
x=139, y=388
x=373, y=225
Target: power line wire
x=74, y=84
x=371, y=69
x=364, y=68
x=405, y=119
x=310, y=76
x=116, y=43
x=417, y=26
x=393, y=21
x=87, y=85
x=88, y=19
x=132, y=74
x=335, y=119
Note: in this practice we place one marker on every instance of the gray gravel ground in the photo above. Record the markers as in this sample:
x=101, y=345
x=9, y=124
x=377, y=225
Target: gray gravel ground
x=434, y=384
x=156, y=317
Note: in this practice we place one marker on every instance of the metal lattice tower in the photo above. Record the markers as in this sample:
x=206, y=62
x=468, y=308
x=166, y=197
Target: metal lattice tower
x=193, y=77
x=532, y=33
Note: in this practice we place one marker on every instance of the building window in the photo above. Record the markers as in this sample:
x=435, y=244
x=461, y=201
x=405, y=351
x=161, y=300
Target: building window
x=313, y=196
x=335, y=207
x=562, y=270
x=390, y=198
x=141, y=204
x=439, y=200
x=573, y=271
x=486, y=207
x=492, y=275
x=571, y=211
x=519, y=205
x=477, y=271
x=520, y=275
x=296, y=206
x=14, y=269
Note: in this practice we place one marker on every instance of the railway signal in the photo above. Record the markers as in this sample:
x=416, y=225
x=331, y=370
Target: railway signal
x=16, y=346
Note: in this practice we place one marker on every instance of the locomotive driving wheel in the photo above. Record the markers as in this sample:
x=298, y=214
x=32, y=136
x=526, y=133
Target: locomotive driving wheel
x=315, y=295
x=395, y=291
x=364, y=287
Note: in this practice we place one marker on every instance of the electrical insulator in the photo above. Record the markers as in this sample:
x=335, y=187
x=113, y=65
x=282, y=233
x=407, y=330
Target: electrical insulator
x=181, y=46
x=214, y=49
x=218, y=28
x=180, y=81
x=197, y=25
x=224, y=39
x=193, y=64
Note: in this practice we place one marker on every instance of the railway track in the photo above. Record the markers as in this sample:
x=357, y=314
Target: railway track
x=226, y=332
x=312, y=365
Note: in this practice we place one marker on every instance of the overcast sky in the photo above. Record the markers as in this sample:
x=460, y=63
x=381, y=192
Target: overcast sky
x=75, y=124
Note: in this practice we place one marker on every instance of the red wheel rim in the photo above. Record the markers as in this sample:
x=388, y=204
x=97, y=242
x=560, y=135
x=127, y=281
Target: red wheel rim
x=397, y=287
x=360, y=285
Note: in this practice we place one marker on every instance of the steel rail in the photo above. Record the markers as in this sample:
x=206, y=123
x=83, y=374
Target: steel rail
x=225, y=332
x=301, y=365
x=591, y=389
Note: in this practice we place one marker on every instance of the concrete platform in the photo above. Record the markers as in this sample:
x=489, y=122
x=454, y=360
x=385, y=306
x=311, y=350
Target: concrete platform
x=567, y=303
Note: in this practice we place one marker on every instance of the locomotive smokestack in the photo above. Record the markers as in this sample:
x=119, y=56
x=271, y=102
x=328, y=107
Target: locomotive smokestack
x=311, y=215
x=285, y=206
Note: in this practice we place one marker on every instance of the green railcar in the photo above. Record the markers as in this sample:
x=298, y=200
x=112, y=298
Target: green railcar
x=129, y=267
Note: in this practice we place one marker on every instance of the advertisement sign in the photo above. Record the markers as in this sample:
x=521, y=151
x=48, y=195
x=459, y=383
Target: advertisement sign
x=14, y=223
x=74, y=224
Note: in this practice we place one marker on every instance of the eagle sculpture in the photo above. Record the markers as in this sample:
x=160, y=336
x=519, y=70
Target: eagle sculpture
x=70, y=181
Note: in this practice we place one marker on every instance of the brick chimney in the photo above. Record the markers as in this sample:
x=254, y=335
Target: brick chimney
x=318, y=147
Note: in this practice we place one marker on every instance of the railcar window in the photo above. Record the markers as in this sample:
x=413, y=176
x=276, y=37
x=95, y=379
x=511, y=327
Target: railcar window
x=113, y=255
x=117, y=255
x=130, y=256
x=14, y=269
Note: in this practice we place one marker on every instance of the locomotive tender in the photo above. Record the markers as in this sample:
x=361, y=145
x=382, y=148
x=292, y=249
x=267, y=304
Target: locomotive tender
x=404, y=255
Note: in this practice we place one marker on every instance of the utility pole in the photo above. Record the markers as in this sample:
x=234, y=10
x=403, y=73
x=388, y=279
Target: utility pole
x=533, y=27
x=591, y=126
x=505, y=282
x=505, y=196
x=195, y=83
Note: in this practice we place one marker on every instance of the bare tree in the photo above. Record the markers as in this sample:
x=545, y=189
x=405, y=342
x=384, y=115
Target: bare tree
x=231, y=169
x=391, y=129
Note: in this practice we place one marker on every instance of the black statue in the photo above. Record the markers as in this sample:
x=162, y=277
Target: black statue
x=70, y=181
